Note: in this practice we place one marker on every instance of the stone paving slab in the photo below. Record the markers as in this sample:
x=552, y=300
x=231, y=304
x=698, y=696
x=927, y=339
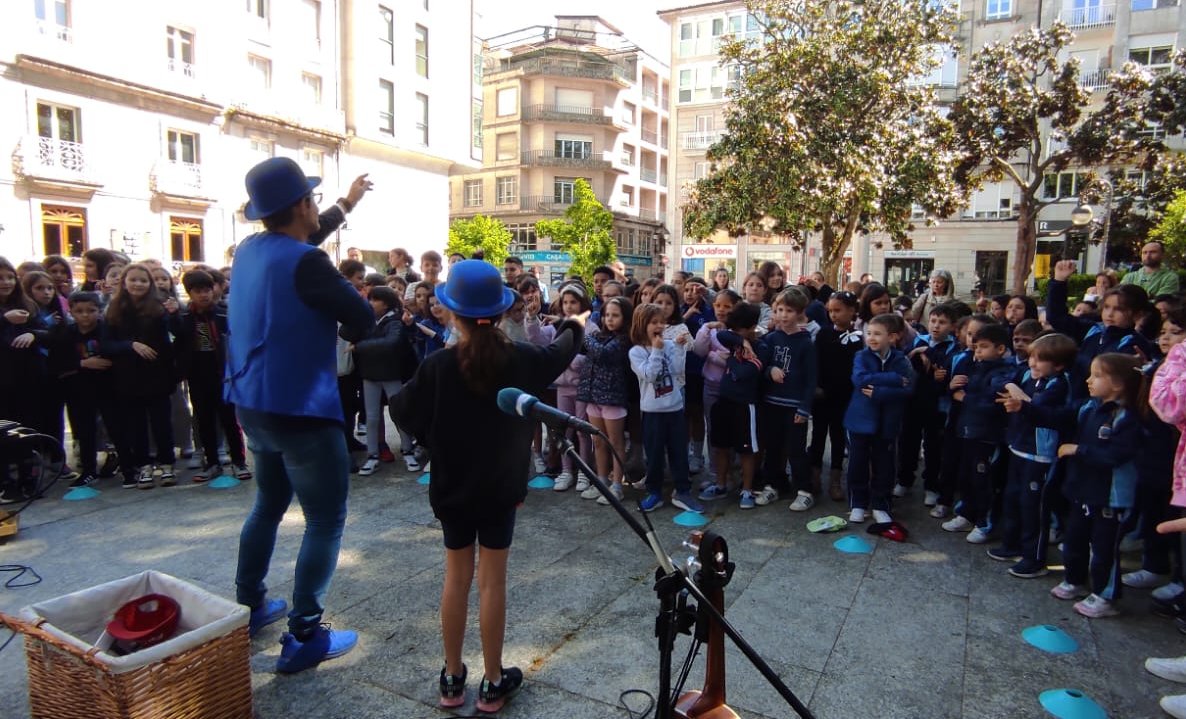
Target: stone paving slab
x=927, y=629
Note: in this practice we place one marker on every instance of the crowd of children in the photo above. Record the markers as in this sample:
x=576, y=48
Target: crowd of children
x=1029, y=430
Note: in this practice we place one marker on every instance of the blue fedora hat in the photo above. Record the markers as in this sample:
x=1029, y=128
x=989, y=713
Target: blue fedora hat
x=273, y=185
x=475, y=290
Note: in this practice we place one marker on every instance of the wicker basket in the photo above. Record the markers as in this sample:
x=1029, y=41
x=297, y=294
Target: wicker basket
x=189, y=676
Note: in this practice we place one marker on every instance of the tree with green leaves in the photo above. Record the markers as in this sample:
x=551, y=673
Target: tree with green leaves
x=1023, y=115
x=584, y=233
x=1171, y=231
x=484, y=233
x=831, y=128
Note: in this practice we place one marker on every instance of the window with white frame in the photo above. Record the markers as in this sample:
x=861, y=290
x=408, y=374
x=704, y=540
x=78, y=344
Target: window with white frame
x=1152, y=131
x=386, y=107
x=700, y=170
x=1063, y=185
x=311, y=84
x=998, y=9
x=946, y=69
x=422, y=118
x=310, y=21
x=179, y=47
x=477, y=123
x=261, y=72
x=627, y=198
x=702, y=83
x=508, y=101
x=58, y=122
x=506, y=190
x=993, y=201
x=387, y=35
x=574, y=147
x=258, y=8
x=262, y=148
x=1155, y=52
x=183, y=146
x=506, y=147
x=472, y=193
x=421, y=51
x=1154, y=4
x=313, y=161
x=53, y=16
x=563, y=189
x=628, y=112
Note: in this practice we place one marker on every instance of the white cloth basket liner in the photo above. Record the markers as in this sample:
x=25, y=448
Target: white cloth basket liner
x=81, y=618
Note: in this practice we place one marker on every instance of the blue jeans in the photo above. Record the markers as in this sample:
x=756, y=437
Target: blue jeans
x=312, y=463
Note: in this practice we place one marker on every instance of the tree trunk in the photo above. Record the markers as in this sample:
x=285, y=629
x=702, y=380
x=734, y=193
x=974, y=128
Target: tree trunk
x=1023, y=254
x=833, y=256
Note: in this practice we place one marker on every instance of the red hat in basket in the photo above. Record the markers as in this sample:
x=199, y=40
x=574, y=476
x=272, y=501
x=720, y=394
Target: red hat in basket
x=145, y=621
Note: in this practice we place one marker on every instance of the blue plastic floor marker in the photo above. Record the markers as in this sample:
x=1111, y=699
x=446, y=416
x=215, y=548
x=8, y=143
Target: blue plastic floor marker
x=1050, y=638
x=853, y=544
x=224, y=482
x=424, y=479
x=542, y=482
x=79, y=494
x=1071, y=704
x=690, y=519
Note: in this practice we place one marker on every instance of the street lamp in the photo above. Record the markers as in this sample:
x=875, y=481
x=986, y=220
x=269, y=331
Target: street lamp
x=1082, y=216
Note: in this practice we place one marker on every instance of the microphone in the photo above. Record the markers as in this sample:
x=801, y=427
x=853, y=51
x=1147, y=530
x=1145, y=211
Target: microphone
x=518, y=403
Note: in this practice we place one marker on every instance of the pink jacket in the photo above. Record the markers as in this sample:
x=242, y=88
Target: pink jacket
x=714, y=353
x=1167, y=397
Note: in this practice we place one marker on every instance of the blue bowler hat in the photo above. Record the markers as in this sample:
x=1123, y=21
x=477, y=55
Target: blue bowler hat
x=274, y=184
x=475, y=290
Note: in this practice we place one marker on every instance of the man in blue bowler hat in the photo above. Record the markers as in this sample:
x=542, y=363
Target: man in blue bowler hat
x=282, y=377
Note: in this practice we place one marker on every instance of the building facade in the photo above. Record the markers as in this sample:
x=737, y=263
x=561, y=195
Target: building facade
x=142, y=146
x=561, y=104
x=977, y=244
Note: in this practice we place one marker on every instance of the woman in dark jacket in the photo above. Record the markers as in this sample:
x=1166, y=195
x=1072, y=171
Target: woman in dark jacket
x=481, y=460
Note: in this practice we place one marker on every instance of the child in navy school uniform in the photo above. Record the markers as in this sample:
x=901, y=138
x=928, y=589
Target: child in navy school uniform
x=788, y=389
x=1033, y=438
x=882, y=381
x=980, y=429
x=1120, y=308
x=734, y=421
x=922, y=428
x=959, y=363
x=1101, y=484
x=836, y=345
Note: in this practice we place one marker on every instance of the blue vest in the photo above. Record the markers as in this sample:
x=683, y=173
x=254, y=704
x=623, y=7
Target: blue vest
x=281, y=353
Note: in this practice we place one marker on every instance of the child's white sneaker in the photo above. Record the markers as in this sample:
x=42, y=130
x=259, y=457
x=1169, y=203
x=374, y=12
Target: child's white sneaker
x=857, y=515
x=881, y=517
x=368, y=467
x=803, y=502
x=931, y=499
x=1143, y=579
x=901, y=490
x=977, y=536
x=939, y=511
x=582, y=482
x=1173, y=670
x=957, y=524
x=767, y=495
x=614, y=489
x=592, y=492
x=1066, y=590
x=541, y=466
x=1096, y=607
x=1175, y=706
x=563, y=481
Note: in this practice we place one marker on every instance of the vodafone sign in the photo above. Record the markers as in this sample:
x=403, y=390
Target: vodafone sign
x=710, y=252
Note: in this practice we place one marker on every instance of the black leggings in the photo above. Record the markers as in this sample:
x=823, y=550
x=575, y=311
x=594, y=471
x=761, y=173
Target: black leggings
x=827, y=423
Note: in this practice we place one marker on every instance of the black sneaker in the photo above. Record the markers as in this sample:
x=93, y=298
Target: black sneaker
x=453, y=688
x=110, y=464
x=10, y=495
x=1004, y=554
x=1028, y=569
x=492, y=697
x=84, y=480
x=130, y=481
x=146, y=480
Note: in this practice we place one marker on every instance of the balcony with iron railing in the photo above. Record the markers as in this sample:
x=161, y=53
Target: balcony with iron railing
x=551, y=158
x=700, y=140
x=651, y=95
x=185, y=69
x=648, y=175
x=1088, y=16
x=1094, y=80
x=52, y=160
x=566, y=113
x=549, y=204
x=563, y=68
x=645, y=213
x=177, y=179
x=650, y=136
x=48, y=29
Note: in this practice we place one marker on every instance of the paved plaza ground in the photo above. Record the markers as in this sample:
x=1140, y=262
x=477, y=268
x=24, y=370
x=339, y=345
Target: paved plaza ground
x=927, y=629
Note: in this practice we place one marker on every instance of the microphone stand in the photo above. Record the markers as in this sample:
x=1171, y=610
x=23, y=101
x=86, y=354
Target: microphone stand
x=674, y=618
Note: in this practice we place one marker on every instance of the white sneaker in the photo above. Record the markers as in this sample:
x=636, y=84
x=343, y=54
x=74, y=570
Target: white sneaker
x=541, y=465
x=1173, y=670
x=695, y=464
x=590, y=492
x=615, y=489
x=1143, y=579
x=1175, y=706
x=900, y=490
x=410, y=462
x=931, y=499
x=1168, y=592
x=368, y=467
x=563, y=481
x=224, y=457
x=766, y=496
x=939, y=511
x=360, y=430
x=582, y=482
x=881, y=517
x=856, y=516
x=196, y=462
x=803, y=502
x=977, y=536
x=957, y=524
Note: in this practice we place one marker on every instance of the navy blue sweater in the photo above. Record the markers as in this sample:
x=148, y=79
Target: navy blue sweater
x=959, y=362
x=795, y=355
x=982, y=417
x=1155, y=464
x=1034, y=431
x=1103, y=470
x=741, y=378
x=604, y=375
x=1094, y=338
x=892, y=380
x=929, y=389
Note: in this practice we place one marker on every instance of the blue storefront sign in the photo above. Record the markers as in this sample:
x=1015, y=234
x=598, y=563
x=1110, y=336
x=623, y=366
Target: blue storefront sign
x=552, y=257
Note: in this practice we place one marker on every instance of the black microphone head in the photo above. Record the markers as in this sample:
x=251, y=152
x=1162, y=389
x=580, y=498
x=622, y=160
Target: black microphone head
x=510, y=399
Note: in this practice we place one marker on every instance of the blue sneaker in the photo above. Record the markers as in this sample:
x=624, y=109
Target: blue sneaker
x=325, y=643
x=747, y=500
x=685, y=501
x=270, y=612
x=712, y=492
x=651, y=502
